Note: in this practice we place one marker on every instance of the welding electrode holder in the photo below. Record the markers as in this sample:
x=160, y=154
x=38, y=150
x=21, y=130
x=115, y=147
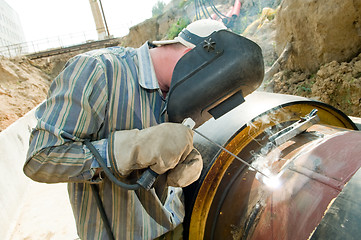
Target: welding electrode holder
x=106, y=170
x=148, y=177
x=146, y=180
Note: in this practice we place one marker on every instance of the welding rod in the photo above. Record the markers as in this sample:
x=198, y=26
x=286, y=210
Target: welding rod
x=232, y=154
x=149, y=176
x=189, y=122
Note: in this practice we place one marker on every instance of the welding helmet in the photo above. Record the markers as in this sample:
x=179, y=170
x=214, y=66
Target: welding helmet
x=214, y=77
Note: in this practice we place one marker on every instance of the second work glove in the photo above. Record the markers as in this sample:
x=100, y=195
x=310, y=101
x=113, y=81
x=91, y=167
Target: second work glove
x=160, y=147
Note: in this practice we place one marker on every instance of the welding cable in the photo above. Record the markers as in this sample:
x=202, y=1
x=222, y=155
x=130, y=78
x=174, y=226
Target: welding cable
x=197, y=10
x=201, y=5
x=205, y=9
x=216, y=11
x=95, y=190
x=225, y=19
x=201, y=8
x=196, y=6
x=103, y=214
x=109, y=174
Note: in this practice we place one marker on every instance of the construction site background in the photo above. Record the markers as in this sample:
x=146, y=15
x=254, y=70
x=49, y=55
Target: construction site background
x=333, y=79
x=323, y=62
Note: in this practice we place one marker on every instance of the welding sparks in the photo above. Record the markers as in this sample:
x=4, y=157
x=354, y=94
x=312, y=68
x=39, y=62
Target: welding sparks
x=272, y=181
x=264, y=160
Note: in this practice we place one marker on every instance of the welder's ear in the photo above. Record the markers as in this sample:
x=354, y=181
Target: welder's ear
x=186, y=50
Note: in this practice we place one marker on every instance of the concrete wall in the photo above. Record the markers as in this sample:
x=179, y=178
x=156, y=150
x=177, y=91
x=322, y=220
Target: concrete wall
x=13, y=183
x=29, y=210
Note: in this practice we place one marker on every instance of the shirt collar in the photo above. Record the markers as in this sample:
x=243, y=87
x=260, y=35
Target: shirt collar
x=147, y=77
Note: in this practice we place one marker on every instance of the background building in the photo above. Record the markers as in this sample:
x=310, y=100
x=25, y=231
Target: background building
x=11, y=31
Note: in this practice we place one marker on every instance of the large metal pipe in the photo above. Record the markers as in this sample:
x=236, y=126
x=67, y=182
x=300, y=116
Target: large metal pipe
x=317, y=173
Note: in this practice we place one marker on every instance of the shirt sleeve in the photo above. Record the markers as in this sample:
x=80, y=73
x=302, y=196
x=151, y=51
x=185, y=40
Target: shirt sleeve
x=74, y=110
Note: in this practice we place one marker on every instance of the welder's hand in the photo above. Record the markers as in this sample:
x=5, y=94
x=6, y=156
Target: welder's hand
x=186, y=172
x=160, y=147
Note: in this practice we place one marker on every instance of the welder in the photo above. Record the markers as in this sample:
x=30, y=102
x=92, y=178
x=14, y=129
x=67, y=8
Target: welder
x=120, y=105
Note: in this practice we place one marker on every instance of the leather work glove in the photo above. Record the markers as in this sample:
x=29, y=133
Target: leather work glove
x=160, y=147
x=186, y=172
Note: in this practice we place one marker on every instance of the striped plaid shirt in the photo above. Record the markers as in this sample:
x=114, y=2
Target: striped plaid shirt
x=97, y=93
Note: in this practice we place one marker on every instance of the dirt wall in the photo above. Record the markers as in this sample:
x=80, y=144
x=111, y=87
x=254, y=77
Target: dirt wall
x=321, y=31
x=22, y=87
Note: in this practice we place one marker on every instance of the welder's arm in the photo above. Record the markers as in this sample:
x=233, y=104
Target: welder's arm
x=164, y=147
x=68, y=162
x=74, y=110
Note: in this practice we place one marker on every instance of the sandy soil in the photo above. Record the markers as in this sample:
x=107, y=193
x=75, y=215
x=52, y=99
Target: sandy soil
x=337, y=84
x=22, y=87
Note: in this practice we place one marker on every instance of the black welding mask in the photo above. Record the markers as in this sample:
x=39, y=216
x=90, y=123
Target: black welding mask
x=214, y=77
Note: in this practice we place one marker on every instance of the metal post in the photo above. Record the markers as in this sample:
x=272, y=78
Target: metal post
x=105, y=21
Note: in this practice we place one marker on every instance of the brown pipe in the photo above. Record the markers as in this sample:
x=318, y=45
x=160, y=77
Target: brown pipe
x=230, y=202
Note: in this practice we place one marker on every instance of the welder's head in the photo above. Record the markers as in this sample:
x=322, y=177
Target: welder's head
x=194, y=33
x=215, y=76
